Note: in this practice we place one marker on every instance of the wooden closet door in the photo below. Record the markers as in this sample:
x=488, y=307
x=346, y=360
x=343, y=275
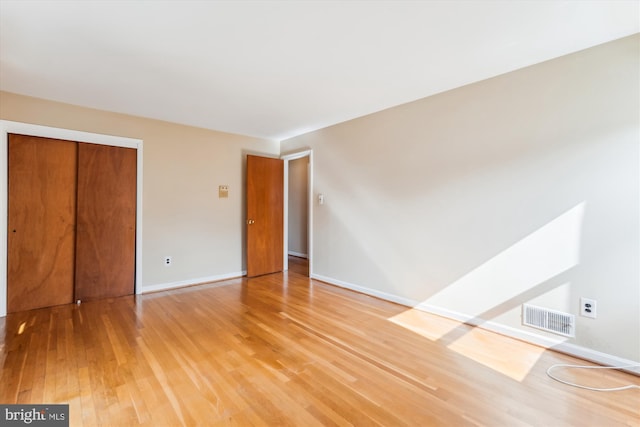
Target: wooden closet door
x=106, y=231
x=41, y=222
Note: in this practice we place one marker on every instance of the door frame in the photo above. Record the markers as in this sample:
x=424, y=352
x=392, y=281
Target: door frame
x=7, y=127
x=310, y=200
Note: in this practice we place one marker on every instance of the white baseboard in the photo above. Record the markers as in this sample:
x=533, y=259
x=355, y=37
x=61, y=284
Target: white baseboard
x=364, y=290
x=510, y=331
x=557, y=344
x=298, y=254
x=597, y=357
x=191, y=282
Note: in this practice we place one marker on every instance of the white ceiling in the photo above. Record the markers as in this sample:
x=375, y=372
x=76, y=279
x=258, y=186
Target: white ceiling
x=276, y=69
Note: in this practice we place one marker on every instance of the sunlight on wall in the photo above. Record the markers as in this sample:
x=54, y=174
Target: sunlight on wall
x=544, y=254
x=519, y=269
x=558, y=298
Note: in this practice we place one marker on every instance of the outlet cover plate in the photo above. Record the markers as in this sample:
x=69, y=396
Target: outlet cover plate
x=588, y=308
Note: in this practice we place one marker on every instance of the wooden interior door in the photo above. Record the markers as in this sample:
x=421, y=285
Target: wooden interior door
x=41, y=222
x=265, y=215
x=106, y=232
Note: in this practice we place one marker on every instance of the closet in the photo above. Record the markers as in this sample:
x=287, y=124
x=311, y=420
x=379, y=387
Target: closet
x=71, y=222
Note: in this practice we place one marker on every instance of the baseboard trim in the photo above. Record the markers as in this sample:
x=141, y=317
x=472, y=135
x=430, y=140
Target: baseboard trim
x=556, y=344
x=364, y=290
x=298, y=254
x=191, y=282
x=530, y=337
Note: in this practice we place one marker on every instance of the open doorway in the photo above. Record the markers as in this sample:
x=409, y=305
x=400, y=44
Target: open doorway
x=298, y=212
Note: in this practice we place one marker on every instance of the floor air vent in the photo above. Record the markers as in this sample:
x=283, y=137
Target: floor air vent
x=553, y=321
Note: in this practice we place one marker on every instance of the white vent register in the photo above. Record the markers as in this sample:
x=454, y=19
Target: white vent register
x=553, y=321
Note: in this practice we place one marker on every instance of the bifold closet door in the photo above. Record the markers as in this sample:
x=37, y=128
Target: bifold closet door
x=106, y=215
x=41, y=222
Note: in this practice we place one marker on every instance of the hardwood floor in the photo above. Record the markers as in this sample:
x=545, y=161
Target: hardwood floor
x=286, y=350
x=299, y=265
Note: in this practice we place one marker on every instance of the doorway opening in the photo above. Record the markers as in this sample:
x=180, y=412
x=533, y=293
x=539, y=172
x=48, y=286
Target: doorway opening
x=298, y=212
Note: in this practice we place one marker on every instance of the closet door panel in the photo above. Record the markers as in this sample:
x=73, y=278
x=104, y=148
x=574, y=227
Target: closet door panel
x=41, y=222
x=106, y=212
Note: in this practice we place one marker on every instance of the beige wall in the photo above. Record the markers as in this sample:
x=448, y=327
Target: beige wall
x=521, y=188
x=183, y=167
x=298, y=206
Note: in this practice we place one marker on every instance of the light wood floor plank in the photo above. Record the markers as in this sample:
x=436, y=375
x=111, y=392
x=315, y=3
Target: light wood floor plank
x=286, y=350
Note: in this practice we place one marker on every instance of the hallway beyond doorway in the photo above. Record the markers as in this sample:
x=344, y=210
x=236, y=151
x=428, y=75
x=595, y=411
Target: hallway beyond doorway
x=299, y=265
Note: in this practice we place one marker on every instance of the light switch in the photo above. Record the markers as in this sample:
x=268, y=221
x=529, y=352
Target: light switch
x=223, y=191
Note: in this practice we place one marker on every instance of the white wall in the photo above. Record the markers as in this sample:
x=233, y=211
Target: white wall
x=298, y=206
x=183, y=167
x=521, y=188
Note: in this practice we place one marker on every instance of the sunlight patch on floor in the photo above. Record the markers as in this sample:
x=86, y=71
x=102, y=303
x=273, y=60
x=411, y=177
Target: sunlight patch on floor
x=509, y=279
x=509, y=357
x=427, y=325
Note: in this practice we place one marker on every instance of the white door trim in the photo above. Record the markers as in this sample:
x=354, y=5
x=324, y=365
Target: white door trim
x=7, y=127
x=287, y=158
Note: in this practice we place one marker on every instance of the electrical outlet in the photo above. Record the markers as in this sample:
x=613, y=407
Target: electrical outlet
x=588, y=308
x=167, y=261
